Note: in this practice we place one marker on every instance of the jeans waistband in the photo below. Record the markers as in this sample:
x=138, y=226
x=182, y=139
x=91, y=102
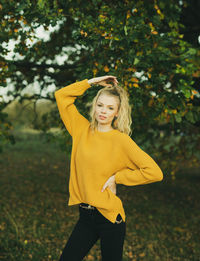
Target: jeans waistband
x=90, y=207
x=87, y=206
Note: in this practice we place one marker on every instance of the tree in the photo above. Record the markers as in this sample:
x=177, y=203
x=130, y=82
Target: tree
x=140, y=42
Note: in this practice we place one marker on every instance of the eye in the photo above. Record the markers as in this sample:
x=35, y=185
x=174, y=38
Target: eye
x=101, y=105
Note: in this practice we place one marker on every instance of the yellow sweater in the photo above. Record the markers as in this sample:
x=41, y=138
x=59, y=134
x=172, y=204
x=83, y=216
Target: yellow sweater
x=96, y=157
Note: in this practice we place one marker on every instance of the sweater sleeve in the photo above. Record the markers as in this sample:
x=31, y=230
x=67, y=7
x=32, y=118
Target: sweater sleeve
x=141, y=168
x=65, y=97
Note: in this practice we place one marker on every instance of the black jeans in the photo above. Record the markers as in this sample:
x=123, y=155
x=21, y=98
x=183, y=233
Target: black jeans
x=90, y=227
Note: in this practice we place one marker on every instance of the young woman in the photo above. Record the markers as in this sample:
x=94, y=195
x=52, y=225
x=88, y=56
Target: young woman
x=103, y=155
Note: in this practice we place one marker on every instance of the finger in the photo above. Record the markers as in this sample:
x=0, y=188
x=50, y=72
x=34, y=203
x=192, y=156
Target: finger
x=109, y=77
x=110, y=82
x=116, y=83
x=103, y=188
x=106, y=84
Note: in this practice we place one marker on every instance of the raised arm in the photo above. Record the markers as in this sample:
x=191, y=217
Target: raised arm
x=141, y=168
x=65, y=98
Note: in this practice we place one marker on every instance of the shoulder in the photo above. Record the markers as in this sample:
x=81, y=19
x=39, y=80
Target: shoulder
x=126, y=142
x=123, y=137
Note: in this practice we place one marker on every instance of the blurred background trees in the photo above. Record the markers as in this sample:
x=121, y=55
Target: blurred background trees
x=151, y=46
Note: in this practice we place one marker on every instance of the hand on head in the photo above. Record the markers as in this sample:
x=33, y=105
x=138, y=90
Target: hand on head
x=104, y=80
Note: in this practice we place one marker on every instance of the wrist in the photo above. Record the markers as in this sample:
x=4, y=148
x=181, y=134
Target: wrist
x=91, y=81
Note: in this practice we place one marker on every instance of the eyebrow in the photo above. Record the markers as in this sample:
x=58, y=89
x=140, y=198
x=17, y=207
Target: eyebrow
x=108, y=105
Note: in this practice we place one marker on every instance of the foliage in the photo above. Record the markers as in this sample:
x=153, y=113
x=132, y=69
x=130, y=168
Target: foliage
x=5, y=131
x=138, y=41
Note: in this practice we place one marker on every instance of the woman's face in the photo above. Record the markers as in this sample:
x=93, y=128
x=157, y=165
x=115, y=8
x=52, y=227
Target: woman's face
x=107, y=107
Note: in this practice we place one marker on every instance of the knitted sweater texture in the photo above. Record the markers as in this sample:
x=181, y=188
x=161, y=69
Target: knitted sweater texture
x=97, y=156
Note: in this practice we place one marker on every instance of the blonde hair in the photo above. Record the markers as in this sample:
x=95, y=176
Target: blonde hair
x=123, y=121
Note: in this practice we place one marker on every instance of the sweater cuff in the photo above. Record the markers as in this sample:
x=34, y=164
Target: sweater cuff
x=84, y=83
x=118, y=178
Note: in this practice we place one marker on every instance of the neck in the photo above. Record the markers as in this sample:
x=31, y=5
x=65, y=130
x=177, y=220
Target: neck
x=104, y=128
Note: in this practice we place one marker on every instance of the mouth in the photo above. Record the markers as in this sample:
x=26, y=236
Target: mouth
x=102, y=117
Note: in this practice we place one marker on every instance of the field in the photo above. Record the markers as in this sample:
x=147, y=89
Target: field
x=35, y=222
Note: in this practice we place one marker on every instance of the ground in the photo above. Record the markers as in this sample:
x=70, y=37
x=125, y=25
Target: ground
x=35, y=222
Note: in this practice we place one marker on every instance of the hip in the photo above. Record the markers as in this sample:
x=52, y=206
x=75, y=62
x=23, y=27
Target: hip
x=91, y=212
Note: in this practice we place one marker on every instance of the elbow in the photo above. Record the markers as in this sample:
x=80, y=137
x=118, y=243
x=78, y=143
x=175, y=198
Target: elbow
x=159, y=175
x=56, y=93
x=155, y=174
x=57, y=96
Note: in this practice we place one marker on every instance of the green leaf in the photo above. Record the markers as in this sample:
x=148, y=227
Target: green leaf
x=187, y=93
x=190, y=117
x=136, y=61
x=41, y=4
x=125, y=30
x=178, y=117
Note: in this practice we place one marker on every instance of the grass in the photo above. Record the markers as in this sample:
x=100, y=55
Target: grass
x=35, y=222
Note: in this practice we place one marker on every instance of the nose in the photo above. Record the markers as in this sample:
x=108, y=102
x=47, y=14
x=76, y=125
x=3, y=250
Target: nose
x=103, y=110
